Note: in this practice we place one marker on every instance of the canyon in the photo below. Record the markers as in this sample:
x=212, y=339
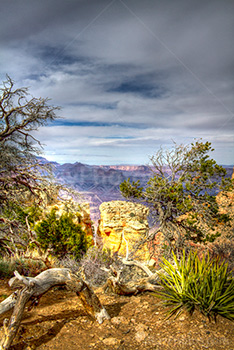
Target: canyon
x=100, y=183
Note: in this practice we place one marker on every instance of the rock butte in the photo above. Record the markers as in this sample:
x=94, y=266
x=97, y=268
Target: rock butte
x=121, y=226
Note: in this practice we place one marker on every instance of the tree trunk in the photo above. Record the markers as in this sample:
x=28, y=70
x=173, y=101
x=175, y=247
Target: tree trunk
x=35, y=287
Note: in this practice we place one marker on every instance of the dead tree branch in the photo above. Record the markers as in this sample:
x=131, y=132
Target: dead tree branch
x=118, y=286
x=30, y=288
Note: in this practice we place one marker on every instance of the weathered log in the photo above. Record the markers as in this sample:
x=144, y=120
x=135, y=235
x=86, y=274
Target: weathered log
x=8, y=303
x=32, y=288
x=11, y=327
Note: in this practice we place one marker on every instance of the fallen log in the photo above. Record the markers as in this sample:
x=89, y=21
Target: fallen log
x=29, y=288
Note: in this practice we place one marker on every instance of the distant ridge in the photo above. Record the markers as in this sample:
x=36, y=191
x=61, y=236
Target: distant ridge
x=100, y=183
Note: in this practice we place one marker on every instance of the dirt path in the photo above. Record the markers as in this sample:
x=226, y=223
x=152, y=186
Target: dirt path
x=60, y=323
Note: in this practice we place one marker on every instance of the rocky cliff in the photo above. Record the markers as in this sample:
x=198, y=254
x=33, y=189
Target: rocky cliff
x=121, y=226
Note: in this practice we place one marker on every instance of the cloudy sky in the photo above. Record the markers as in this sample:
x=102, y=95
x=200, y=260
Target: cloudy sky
x=130, y=75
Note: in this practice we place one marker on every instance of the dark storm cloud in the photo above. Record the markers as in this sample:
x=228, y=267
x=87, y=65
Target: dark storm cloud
x=57, y=56
x=128, y=73
x=143, y=85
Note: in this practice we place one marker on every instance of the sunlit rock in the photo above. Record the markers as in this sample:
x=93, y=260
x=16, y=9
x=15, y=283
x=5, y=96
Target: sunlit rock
x=122, y=225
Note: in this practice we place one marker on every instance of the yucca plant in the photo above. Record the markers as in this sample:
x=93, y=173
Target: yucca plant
x=192, y=283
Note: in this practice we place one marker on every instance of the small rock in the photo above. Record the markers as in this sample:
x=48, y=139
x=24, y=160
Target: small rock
x=111, y=341
x=140, y=336
x=151, y=263
x=145, y=305
x=141, y=332
x=119, y=320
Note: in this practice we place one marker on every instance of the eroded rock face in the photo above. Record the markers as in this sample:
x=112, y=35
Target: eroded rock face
x=122, y=225
x=86, y=222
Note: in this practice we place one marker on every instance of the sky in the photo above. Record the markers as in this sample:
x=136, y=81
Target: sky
x=130, y=76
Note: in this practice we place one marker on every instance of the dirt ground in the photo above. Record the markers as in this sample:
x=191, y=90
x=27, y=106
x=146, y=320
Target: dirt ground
x=59, y=322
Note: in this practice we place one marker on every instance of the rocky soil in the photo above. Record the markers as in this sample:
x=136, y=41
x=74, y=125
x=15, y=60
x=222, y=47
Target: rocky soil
x=137, y=322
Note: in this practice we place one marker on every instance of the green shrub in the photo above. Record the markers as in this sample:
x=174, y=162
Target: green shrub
x=203, y=284
x=62, y=234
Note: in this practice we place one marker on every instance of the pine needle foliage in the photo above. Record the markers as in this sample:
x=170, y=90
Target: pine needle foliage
x=191, y=283
x=62, y=234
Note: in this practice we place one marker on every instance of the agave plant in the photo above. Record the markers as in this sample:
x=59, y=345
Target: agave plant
x=192, y=283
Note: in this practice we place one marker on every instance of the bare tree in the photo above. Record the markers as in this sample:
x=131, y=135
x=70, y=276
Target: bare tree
x=24, y=180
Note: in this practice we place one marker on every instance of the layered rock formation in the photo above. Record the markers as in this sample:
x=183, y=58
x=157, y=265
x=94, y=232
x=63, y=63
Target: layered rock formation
x=122, y=225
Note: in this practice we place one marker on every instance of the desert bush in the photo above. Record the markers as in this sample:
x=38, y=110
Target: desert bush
x=26, y=267
x=25, y=179
x=94, y=263
x=223, y=249
x=69, y=263
x=181, y=195
x=5, y=269
x=203, y=284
